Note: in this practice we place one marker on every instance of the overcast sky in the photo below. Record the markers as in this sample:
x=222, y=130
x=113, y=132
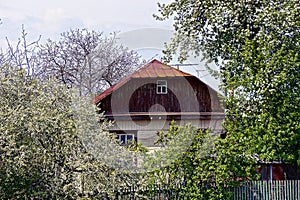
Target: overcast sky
x=50, y=18
x=132, y=18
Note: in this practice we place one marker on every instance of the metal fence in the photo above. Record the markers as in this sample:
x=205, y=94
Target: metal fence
x=154, y=193
x=253, y=190
x=268, y=190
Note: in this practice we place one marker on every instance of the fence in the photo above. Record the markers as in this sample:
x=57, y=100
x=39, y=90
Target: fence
x=268, y=190
x=154, y=193
x=254, y=190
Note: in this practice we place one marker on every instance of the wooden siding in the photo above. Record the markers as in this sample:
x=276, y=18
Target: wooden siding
x=147, y=138
x=185, y=94
x=146, y=130
x=157, y=125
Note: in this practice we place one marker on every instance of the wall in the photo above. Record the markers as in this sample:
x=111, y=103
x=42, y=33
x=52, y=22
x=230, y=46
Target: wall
x=184, y=95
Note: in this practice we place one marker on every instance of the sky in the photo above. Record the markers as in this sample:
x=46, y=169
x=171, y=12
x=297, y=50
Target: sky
x=132, y=19
x=50, y=18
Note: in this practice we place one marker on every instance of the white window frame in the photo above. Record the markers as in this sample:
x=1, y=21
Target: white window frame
x=161, y=87
x=118, y=138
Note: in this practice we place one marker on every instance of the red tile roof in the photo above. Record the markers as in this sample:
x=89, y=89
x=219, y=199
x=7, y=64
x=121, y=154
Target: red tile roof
x=154, y=69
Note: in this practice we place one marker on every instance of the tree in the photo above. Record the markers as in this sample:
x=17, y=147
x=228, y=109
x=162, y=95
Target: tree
x=85, y=59
x=41, y=150
x=258, y=43
x=36, y=137
x=22, y=55
x=202, y=171
x=80, y=58
x=221, y=28
x=266, y=101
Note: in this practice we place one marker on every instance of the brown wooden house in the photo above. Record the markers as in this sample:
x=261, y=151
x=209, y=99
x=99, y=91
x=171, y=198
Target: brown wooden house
x=147, y=100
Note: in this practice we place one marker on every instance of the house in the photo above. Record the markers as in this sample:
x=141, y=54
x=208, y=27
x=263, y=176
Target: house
x=149, y=99
x=277, y=171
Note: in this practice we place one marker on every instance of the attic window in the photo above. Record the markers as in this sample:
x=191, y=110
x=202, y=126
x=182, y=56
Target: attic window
x=161, y=87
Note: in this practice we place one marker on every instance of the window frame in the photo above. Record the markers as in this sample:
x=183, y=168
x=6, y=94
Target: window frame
x=161, y=85
x=119, y=135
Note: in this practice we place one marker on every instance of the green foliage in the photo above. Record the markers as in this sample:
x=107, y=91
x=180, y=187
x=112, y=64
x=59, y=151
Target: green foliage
x=221, y=28
x=42, y=155
x=136, y=146
x=205, y=170
x=257, y=42
x=35, y=132
x=263, y=108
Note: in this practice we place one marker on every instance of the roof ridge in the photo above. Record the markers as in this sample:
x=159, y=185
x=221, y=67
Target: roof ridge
x=153, y=69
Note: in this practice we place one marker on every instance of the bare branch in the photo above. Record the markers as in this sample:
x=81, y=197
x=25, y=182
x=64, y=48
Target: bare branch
x=85, y=59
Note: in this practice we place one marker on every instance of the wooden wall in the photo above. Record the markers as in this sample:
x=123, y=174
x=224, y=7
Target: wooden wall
x=184, y=95
x=146, y=130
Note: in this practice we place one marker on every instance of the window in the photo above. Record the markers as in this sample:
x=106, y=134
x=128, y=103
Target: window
x=161, y=87
x=124, y=139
